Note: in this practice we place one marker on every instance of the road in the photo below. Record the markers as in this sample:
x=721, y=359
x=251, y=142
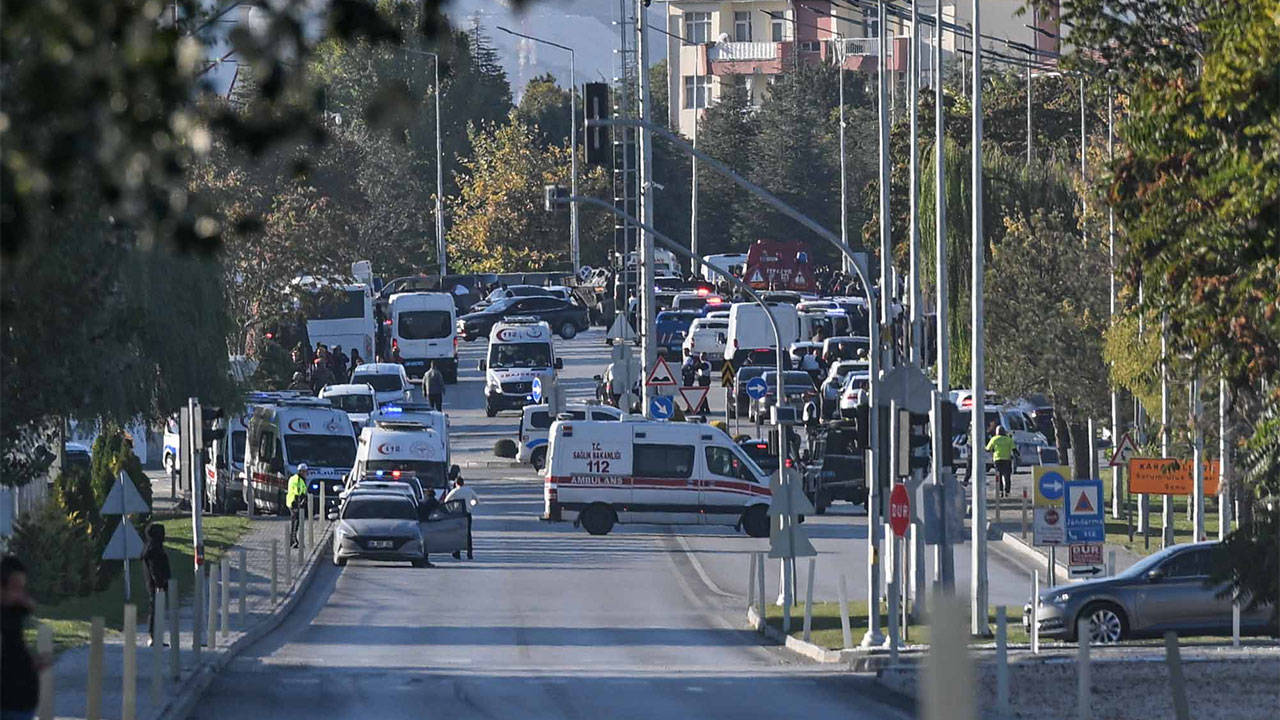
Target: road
x=547, y=621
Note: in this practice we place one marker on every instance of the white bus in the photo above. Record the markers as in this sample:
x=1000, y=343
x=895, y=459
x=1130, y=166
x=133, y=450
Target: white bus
x=342, y=315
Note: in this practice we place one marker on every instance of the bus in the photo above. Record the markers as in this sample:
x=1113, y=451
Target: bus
x=341, y=314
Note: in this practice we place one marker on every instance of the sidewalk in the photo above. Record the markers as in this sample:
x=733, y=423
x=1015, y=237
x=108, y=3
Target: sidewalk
x=71, y=669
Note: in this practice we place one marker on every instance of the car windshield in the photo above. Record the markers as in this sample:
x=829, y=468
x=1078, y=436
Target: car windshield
x=355, y=403
x=383, y=508
x=382, y=382
x=429, y=473
x=424, y=325
x=237, y=446
x=520, y=355
x=332, y=451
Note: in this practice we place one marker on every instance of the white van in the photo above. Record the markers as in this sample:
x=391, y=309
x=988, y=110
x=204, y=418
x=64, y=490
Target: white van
x=707, y=335
x=291, y=432
x=536, y=421
x=424, y=325
x=601, y=473
x=224, y=473
x=728, y=262
x=520, y=350
x=749, y=329
x=389, y=380
x=358, y=400
x=400, y=446
x=420, y=413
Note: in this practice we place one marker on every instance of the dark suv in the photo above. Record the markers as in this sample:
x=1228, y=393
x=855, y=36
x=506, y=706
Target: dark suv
x=565, y=318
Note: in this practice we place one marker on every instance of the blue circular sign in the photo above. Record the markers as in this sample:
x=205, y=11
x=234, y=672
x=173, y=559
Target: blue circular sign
x=661, y=407
x=1052, y=485
x=537, y=389
x=756, y=388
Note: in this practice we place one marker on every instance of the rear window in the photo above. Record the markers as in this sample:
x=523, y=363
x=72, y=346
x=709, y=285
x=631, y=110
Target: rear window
x=382, y=382
x=663, y=461
x=341, y=305
x=424, y=325
x=352, y=403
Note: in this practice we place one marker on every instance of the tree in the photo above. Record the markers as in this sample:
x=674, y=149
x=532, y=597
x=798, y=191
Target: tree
x=545, y=106
x=726, y=129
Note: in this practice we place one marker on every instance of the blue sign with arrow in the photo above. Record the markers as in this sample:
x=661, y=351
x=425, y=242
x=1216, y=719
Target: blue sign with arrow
x=661, y=407
x=537, y=389
x=756, y=388
x=1052, y=485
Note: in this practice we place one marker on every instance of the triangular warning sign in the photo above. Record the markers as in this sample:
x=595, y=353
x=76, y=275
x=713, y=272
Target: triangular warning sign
x=621, y=329
x=694, y=396
x=756, y=277
x=1083, y=505
x=124, y=499
x=1125, y=450
x=124, y=543
x=660, y=375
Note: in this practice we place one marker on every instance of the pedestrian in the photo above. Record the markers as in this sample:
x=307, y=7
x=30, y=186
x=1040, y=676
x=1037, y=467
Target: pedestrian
x=809, y=363
x=156, y=562
x=338, y=363
x=299, y=382
x=19, y=669
x=433, y=387
x=296, y=499
x=429, y=505
x=395, y=353
x=1001, y=448
x=356, y=361
x=321, y=374
x=469, y=500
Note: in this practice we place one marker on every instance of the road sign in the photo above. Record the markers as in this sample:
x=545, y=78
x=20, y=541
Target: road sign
x=660, y=375
x=1085, y=560
x=1169, y=476
x=899, y=510
x=621, y=329
x=1126, y=449
x=661, y=407
x=124, y=543
x=756, y=388
x=787, y=537
x=124, y=499
x=537, y=389
x=694, y=396
x=1083, y=517
x=726, y=374
x=1049, y=482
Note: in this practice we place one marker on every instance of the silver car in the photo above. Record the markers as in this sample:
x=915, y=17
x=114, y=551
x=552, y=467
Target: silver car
x=378, y=526
x=1169, y=590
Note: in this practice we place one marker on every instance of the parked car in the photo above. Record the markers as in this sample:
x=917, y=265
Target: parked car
x=565, y=318
x=797, y=389
x=1170, y=590
x=829, y=393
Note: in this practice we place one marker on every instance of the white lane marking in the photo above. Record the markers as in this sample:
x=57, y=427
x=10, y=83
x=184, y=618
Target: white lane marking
x=702, y=573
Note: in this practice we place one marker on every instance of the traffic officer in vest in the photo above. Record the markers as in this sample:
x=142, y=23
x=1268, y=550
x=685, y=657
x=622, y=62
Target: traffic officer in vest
x=296, y=499
x=1001, y=448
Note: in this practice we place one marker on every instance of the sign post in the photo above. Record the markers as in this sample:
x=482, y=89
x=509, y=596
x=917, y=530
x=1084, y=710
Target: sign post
x=1126, y=449
x=124, y=500
x=1048, y=523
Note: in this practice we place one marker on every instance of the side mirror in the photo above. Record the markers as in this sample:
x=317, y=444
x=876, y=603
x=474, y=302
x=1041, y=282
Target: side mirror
x=481, y=366
x=1155, y=575
x=455, y=472
x=559, y=363
x=333, y=516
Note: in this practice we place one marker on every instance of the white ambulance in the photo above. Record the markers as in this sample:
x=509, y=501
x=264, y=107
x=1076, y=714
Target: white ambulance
x=399, y=446
x=601, y=473
x=291, y=432
x=419, y=412
x=536, y=422
x=520, y=351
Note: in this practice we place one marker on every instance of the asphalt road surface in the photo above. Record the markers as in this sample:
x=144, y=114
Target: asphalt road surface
x=549, y=622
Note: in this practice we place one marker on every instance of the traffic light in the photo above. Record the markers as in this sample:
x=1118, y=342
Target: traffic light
x=598, y=139
x=919, y=442
x=948, y=421
x=208, y=415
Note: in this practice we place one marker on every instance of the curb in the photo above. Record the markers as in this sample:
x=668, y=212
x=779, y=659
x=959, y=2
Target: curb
x=857, y=659
x=181, y=704
x=1029, y=554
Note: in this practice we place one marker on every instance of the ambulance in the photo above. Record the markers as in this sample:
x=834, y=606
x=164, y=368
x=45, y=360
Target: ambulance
x=520, y=351
x=536, y=422
x=224, y=473
x=401, y=446
x=419, y=412
x=643, y=471
x=288, y=433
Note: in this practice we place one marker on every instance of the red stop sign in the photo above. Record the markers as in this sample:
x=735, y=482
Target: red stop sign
x=899, y=510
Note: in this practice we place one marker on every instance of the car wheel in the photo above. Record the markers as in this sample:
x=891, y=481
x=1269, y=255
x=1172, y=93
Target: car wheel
x=1107, y=623
x=597, y=519
x=568, y=330
x=539, y=458
x=820, y=503
x=755, y=521
x=420, y=563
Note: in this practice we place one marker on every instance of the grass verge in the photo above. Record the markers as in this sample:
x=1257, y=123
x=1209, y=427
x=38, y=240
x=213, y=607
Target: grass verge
x=71, y=618
x=826, y=630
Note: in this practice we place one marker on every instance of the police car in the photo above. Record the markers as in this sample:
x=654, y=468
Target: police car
x=603, y=473
x=520, y=351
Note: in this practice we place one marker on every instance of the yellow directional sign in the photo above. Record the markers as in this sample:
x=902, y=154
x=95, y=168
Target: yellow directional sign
x=726, y=374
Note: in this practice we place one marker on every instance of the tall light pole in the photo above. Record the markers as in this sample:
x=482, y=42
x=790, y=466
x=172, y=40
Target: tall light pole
x=574, y=247
x=440, y=255
x=944, y=560
x=977, y=441
x=917, y=314
x=648, y=337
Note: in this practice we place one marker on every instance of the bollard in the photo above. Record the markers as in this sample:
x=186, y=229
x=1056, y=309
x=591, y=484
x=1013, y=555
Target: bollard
x=93, y=688
x=1002, y=660
x=275, y=579
x=44, y=646
x=129, y=691
x=947, y=678
x=288, y=557
x=175, y=652
x=1024, y=513
x=846, y=634
x=760, y=588
x=999, y=503
x=157, y=645
x=197, y=597
x=224, y=600
x=1111, y=563
x=1083, y=711
x=244, y=590
x=1235, y=621
x=211, y=620
x=808, y=602
x=1173, y=659
x=1035, y=613
x=751, y=582
x=323, y=505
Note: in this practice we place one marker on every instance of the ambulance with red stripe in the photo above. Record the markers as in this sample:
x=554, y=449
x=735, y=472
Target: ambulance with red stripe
x=291, y=432
x=603, y=473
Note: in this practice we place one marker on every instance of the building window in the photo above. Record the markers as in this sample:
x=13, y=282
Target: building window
x=697, y=27
x=742, y=27
x=810, y=46
x=697, y=91
x=778, y=28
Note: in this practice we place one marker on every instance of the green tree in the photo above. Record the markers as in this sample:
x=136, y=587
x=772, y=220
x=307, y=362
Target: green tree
x=545, y=106
x=727, y=129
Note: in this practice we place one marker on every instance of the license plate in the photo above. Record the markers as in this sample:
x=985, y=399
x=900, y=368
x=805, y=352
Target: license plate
x=378, y=544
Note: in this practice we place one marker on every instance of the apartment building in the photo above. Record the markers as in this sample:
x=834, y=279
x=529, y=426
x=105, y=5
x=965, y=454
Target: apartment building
x=755, y=40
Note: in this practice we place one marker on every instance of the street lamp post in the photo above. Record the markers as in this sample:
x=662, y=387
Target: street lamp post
x=574, y=247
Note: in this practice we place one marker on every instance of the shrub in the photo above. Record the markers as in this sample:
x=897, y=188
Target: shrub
x=73, y=491
x=505, y=448
x=59, y=552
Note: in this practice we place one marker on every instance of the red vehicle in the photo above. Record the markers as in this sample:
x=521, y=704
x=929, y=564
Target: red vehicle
x=780, y=265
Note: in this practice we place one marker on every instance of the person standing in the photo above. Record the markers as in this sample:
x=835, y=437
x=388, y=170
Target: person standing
x=156, y=562
x=19, y=669
x=469, y=500
x=296, y=500
x=1001, y=448
x=433, y=387
x=356, y=361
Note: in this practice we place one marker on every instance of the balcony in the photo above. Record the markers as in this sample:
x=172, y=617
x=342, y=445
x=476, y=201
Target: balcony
x=746, y=58
x=863, y=54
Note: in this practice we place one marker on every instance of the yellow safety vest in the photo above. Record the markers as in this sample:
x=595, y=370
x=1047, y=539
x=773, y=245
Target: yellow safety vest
x=297, y=488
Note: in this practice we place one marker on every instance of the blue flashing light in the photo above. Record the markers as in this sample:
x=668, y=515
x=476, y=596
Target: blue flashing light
x=378, y=473
x=391, y=409
x=315, y=487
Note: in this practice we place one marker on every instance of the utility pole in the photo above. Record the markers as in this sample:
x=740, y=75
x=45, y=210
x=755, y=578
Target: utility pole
x=944, y=559
x=913, y=59
x=844, y=178
x=1197, y=458
x=440, y=250
x=1166, y=512
x=1111, y=275
x=648, y=349
x=977, y=441
x=1225, y=496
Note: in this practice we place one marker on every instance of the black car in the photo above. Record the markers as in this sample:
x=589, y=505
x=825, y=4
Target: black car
x=565, y=318
x=834, y=467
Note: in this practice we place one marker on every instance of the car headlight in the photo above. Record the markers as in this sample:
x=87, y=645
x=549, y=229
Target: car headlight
x=1060, y=599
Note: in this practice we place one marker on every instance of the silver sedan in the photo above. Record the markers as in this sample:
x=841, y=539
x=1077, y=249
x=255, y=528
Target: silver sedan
x=381, y=526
